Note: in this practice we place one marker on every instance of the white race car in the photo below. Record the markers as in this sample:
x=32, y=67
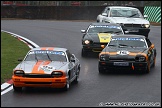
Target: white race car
x=130, y=19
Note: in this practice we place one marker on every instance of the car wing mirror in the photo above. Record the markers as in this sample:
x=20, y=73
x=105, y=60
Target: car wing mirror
x=152, y=46
x=20, y=59
x=72, y=59
x=83, y=31
x=104, y=14
x=126, y=32
x=145, y=16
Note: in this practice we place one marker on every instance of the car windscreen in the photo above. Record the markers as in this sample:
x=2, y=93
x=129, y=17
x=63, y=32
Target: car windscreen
x=105, y=29
x=46, y=55
x=125, y=12
x=127, y=42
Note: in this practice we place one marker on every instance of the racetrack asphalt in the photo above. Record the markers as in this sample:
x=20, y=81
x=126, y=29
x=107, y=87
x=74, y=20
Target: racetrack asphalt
x=31, y=44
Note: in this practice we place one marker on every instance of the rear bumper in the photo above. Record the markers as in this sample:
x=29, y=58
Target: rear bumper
x=39, y=82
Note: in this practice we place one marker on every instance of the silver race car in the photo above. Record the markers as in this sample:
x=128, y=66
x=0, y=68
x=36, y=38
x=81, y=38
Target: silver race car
x=46, y=67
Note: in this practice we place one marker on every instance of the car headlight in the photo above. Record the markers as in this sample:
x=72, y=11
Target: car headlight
x=86, y=42
x=140, y=58
x=19, y=72
x=146, y=25
x=56, y=74
x=104, y=57
x=121, y=24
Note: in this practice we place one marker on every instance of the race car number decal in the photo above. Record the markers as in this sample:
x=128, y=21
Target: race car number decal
x=46, y=68
x=123, y=52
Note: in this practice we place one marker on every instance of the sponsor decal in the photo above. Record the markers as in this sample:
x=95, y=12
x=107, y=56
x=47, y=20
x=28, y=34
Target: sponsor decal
x=46, y=68
x=136, y=39
x=105, y=26
x=49, y=52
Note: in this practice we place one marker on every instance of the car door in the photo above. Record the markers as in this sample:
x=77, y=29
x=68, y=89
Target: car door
x=74, y=62
x=71, y=64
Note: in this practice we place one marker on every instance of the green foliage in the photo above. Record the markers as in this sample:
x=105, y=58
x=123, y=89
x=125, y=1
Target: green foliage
x=11, y=50
x=152, y=3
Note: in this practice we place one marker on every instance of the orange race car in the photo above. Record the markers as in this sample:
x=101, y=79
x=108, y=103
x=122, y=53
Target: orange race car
x=46, y=67
x=127, y=52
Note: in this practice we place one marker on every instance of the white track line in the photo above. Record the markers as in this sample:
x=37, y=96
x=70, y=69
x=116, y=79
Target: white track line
x=13, y=34
x=5, y=91
x=4, y=85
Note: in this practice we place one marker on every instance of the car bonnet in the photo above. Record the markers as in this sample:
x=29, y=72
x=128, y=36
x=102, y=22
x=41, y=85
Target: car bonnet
x=126, y=20
x=41, y=67
x=129, y=51
x=99, y=37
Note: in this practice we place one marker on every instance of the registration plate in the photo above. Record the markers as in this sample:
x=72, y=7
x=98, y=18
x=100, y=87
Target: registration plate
x=121, y=64
x=133, y=30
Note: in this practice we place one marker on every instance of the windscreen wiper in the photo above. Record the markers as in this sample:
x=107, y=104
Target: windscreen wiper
x=36, y=56
x=133, y=15
x=107, y=32
x=111, y=45
x=48, y=56
x=124, y=45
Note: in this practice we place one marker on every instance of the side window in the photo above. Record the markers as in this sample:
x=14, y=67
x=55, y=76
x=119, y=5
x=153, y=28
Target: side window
x=69, y=55
x=88, y=28
x=104, y=11
x=30, y=57
x=108, y=11
x=148, y=42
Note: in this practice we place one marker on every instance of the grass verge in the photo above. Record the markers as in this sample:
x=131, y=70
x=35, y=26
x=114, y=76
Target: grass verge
x=11, y=50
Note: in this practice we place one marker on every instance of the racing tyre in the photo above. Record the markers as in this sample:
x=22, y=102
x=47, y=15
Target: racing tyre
x=17, y=89
x=148, y=68
x=154, y=62
x=146, y=35
x=101, y=70
x=84, y=53
x=67, y=86
x=77, y=76
x=76, y=79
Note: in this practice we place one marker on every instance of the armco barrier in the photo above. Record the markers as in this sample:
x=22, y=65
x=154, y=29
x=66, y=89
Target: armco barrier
x=154, y=13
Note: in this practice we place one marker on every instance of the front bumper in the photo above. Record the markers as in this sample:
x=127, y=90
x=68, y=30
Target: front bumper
x=137, y=31
x=94, y=47
x=39, y=82
x=132, y=66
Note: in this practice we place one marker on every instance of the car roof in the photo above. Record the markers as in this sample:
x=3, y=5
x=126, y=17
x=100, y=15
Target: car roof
x=121, y=7
x=50, y=48
x=103, y=23
x=128, y=35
